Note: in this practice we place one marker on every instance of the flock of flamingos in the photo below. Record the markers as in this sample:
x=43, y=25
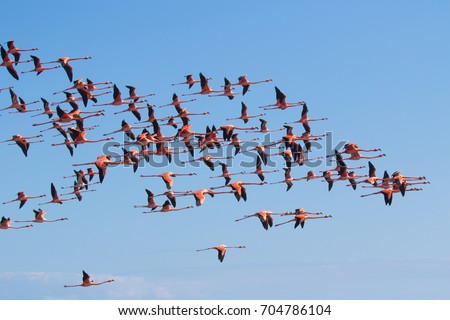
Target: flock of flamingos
x=151, y=142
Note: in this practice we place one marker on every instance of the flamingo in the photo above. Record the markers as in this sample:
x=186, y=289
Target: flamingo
x=70, y=99
x=244, y=116
x=372, y=179
x=388, y=193
x=5, y=224
x=246, y=84
x=64, y=62
x=38, y=68
x=39, y=217
x=221, y=250
x=69, y=117
x=259, y=171
x=265, y=216
x=101, y=163
x=130, y=157
x=199, y=195
x=225, y=173
x=288, y=179
x=228, y=130
x=22, y=197
x=91, y=173
x=263, y=127
x=16, y=52
x=22, y=107
x=358, y=156
x=206, y=89
x=150, y=202
x=189, y=80
x=118, y=99
x=238, y=187
x=237, y=143
x=22, y=142
x=133, y=96
x=133, y=109
x=77, y=191
x=207, y=159
x=351, y=148
x=171, y=196
x=167, y=208
x=8, y=63
x=126, y=128
x=55, y=197
x=167, y=177
x=87, y=282
x=18, y=103
x=184, y=113
x=78, y=137
x=47, y=110
x=227, y=91
x=176, y=102
x=151, y=114
x=304, y=120
x=281, y=102
x=301, y=218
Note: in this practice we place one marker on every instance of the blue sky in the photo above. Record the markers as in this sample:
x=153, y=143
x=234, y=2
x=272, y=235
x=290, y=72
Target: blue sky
x=378, y=71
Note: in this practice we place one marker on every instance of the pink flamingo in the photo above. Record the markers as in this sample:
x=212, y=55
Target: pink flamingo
x=5, y=224
x=87, y=282
x=38, y=68
x=39, y=217
x=22, y=197
x=246, y=84
x=221, y=250
x=244, y=116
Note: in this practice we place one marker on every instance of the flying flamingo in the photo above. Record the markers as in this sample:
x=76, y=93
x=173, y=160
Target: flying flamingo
x=151, y=114
x=176, y=102
x=221, y=250
x=199, y=195
x=358, y=156
x=64, y=62
x=22, y=142
x=259, y=171
x=101, y=163
x=206, y=89
x=225, y=173
x=8, y=63
x=237, y=143
x=150, y=202
x=16, y=52
x=91, y=173
x=39, y=217
x=263, y=127
x=38, y=68
x=66, y=117
x=246, y=84
x=78, y=137
x=189, y=80
x=288, y=179
x=388, y=194
x=372, y=179
x=228, y=130
x=171, y=196
x=244, y=116
x=207, y=160
x=22, y=197
x=167, y=208
x=265, y=216
x=304, y=120
x=133, y=109
x=18, y=103
x=126, y=128
x=55, y=197
x=227, y=91
x=167, y=177
x=281, y=102
x=351, y=148
x=118, y=99
x=134, y=96
x=238, y=187
x=22, y=107
x=47, y=110
x=87, y=282
x=5, y=223
x=77, y=191
x=301, y=218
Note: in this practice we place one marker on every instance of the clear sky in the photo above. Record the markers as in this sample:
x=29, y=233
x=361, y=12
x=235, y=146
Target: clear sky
x=379, y=71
